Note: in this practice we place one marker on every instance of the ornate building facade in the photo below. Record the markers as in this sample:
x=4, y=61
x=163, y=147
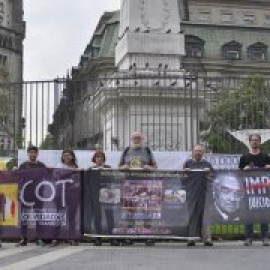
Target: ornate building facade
x=12, y=33
x=146, y=60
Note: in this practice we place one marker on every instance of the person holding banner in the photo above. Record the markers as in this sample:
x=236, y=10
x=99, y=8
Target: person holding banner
x=196, y=207
x=69, y=162
x=32, y=163
x=138, y=157
x=253, y=160
x=99, y=160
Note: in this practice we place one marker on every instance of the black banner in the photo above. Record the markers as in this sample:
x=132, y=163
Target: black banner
x=140, y=203
x=238, y=197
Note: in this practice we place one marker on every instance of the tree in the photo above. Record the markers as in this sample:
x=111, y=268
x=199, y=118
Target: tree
x=247, y=107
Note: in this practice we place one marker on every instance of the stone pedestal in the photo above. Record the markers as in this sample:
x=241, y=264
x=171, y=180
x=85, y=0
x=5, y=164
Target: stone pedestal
x=149, y=35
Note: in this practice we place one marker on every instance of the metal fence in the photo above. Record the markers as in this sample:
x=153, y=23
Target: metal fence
x=173, y=112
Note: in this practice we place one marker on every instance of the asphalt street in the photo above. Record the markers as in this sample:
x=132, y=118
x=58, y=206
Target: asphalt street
x=169, y=256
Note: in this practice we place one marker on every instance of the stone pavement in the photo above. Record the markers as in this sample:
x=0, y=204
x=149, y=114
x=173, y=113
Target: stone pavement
x=169, y=256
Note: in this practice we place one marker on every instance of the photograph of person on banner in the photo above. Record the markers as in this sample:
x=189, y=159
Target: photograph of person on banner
x=196, y=194
x=228, y=193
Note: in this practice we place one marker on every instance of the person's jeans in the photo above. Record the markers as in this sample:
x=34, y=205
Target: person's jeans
x=249, y=230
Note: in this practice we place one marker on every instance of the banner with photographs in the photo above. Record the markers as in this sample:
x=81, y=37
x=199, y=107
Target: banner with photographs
x=238, y=197
x=43, y=203
x=139, y=204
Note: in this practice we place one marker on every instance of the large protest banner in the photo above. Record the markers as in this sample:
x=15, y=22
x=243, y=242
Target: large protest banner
x=43, y=203
x=238, y=197
x=140, y=204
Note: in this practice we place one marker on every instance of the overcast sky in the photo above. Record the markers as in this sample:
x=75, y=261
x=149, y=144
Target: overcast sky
x=57, y=32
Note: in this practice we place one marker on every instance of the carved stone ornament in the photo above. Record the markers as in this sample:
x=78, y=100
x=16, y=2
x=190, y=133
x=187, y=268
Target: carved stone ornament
x=145, y=15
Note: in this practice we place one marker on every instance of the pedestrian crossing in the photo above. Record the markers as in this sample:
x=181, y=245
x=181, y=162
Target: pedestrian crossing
x=107, y=257
x=33, y=256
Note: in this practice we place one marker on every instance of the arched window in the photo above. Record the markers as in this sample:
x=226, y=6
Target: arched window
x=194, y=46
x=232, y=50
x=257, y=52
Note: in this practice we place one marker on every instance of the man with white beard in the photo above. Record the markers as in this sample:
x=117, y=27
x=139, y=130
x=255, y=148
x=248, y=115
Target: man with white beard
x=138, y=157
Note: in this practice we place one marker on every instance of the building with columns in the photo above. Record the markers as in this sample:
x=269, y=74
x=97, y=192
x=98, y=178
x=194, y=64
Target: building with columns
x=148, y=53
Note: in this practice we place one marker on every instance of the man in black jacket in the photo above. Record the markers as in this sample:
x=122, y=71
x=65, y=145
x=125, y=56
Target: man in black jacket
x=32, y=163
x=255, y=159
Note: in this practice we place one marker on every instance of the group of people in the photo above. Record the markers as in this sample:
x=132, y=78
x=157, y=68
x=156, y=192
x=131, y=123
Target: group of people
x=138, y=156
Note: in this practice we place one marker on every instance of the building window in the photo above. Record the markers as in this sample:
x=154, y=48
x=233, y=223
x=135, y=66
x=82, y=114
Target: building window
x=3, y=60
x=249, y=18
x=2, y=7
x=226, y=17
x=204, y=15
x=257, y=52
x=267, y=19
x=232, y=51
x=194, y=46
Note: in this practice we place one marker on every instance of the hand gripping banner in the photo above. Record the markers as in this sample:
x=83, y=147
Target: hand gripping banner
x=139, y=204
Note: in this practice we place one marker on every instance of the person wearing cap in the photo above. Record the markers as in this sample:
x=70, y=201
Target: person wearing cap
x=138, y=156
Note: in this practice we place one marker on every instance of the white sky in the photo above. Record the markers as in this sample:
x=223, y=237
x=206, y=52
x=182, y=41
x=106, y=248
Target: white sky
x=57, y=32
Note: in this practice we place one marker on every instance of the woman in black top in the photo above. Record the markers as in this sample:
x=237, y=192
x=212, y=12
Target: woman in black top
x=99, y=160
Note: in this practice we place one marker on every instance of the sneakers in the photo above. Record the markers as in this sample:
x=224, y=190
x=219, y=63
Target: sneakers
x=22, y=243
x=248, y=242
x=265, y=242
x=40, y=243
x=150, y=243
x=208, y=243
x=73, y=243
x=114, y=243
x=54, y=243
x=191, y=243
x=98, y=242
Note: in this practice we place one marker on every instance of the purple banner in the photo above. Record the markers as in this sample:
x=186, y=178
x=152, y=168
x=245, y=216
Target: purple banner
x=40, y=203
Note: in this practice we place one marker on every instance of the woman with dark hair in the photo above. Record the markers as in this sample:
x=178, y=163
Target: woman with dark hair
x=99, y=160
x=68, y=161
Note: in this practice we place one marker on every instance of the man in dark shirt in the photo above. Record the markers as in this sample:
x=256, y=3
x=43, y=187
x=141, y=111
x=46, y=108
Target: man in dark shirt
x=255, y=159
x=197, y=162
x=32, y=163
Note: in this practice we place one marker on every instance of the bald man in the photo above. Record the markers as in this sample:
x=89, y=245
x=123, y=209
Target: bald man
x=197, y=162
x=137, y=156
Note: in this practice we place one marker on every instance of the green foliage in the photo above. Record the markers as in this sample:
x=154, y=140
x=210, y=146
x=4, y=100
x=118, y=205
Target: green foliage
x=247, y=107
